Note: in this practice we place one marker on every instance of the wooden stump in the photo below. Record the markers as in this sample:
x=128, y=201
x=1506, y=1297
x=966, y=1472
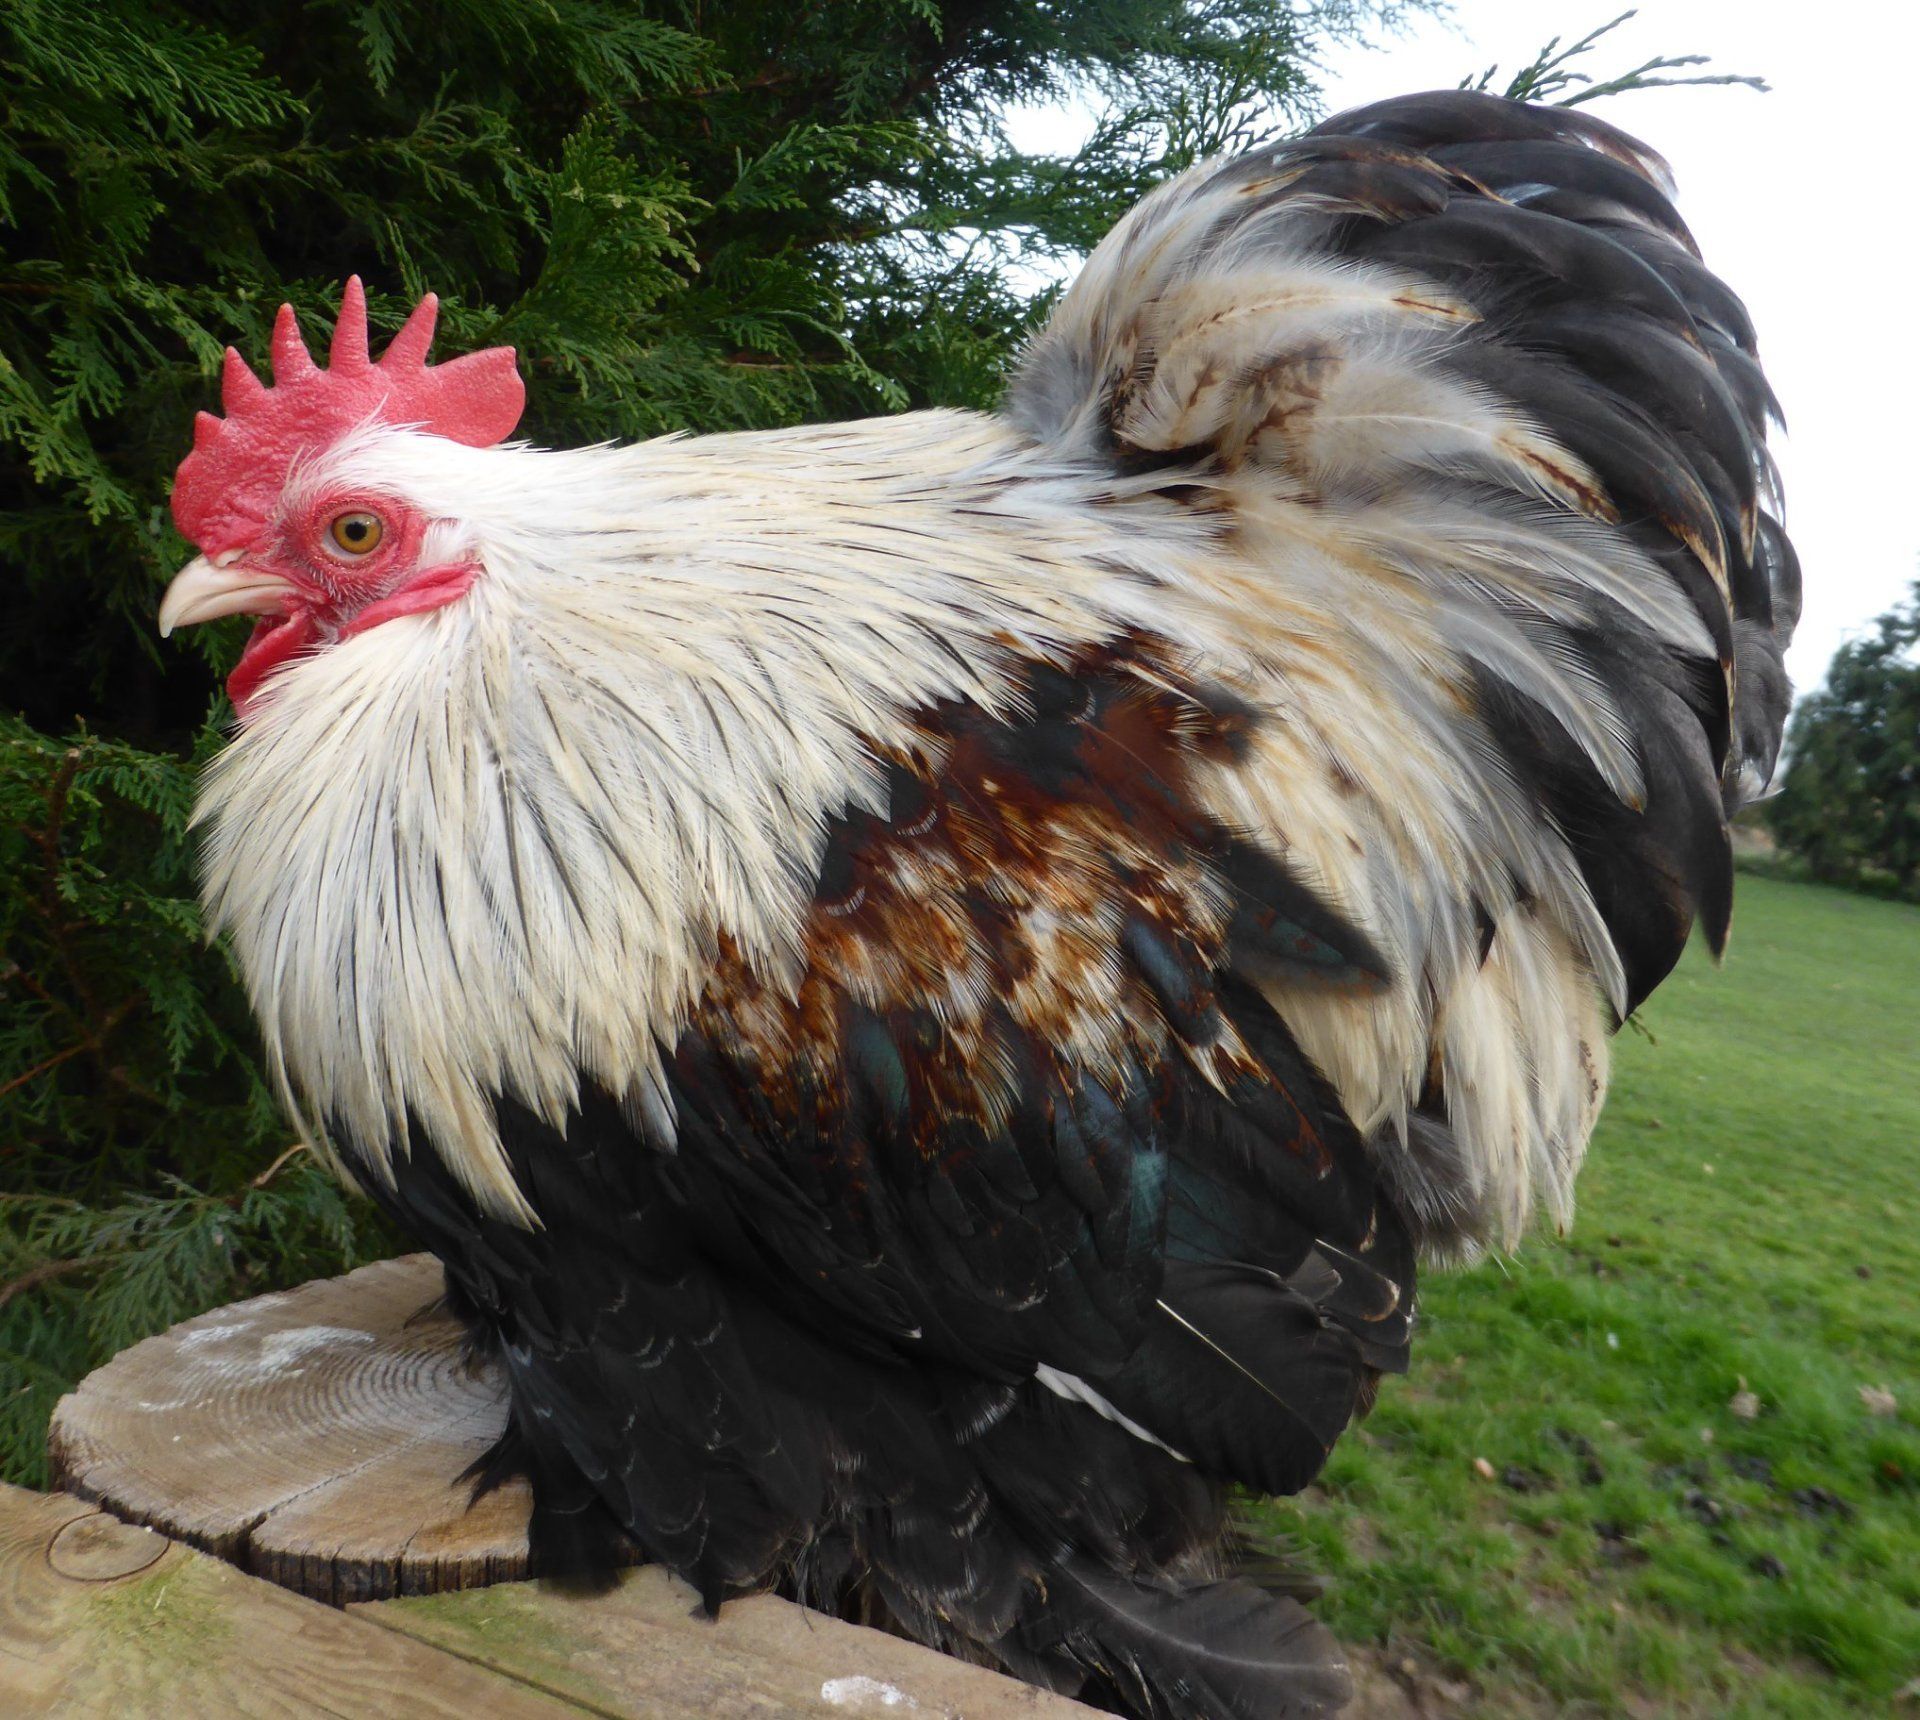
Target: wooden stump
x=312, y=1437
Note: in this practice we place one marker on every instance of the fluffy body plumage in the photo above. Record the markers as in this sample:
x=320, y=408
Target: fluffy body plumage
x=929, y=978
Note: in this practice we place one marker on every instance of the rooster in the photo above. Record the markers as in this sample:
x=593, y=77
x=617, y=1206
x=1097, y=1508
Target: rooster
x=932, y=979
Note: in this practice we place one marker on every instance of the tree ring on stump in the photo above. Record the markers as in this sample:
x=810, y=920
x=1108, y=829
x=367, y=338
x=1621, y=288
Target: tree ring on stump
x=314, y=1437
x=98, y=1548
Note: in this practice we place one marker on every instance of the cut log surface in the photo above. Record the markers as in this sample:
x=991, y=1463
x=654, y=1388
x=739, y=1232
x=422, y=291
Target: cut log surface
x=313, y=1437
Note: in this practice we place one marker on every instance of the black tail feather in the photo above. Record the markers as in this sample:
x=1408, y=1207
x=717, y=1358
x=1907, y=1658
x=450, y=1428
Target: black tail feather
x=1213, y=1651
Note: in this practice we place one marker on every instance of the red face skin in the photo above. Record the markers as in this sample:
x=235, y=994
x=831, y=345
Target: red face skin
x=343, y=561
x=329, y=590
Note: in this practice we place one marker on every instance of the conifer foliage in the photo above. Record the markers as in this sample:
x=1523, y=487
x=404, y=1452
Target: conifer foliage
x=686, y=215
x=1849, y=808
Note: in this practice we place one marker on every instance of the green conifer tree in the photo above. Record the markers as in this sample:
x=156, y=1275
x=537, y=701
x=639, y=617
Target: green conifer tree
x=1849, y=804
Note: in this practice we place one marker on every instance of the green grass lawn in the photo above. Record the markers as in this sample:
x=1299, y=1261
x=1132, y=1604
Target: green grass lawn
x=1750, y=1211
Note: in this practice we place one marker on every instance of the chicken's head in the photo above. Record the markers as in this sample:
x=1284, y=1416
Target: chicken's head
x=316, y=555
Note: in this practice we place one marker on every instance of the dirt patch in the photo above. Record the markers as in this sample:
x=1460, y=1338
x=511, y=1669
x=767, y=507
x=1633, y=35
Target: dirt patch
x=1390, y=1684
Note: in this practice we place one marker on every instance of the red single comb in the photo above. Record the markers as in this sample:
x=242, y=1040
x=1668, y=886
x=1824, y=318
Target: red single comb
x=225, y=489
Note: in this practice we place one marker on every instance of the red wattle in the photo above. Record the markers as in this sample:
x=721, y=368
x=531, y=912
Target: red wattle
x=275, y=638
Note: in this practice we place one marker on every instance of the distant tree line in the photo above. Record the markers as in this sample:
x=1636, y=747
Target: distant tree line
x=1849, y=804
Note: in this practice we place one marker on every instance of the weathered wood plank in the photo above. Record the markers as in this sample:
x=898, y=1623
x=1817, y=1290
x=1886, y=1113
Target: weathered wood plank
x=99, y=1618
x=313, y=1437
x=643, y=1651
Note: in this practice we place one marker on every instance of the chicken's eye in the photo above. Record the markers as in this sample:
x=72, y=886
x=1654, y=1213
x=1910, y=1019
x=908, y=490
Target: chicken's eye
x=357, y=533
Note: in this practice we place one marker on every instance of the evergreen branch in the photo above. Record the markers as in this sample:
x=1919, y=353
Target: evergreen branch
x=1551, y=71
x=49, y=1270
x=769, y=77
x=279, y=1164
x=44, y=1066
x=46, y=838
x=1638, y=79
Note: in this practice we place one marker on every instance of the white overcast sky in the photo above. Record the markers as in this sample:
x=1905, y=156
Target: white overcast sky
x=1800, y=198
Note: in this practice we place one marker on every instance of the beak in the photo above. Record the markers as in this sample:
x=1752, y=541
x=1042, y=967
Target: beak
x=202, y=592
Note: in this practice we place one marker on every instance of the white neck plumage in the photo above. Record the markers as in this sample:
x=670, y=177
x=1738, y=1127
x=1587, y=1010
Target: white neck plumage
x=492, y=848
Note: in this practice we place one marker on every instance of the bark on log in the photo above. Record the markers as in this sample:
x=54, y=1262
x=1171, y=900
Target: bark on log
x=313, y=1437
